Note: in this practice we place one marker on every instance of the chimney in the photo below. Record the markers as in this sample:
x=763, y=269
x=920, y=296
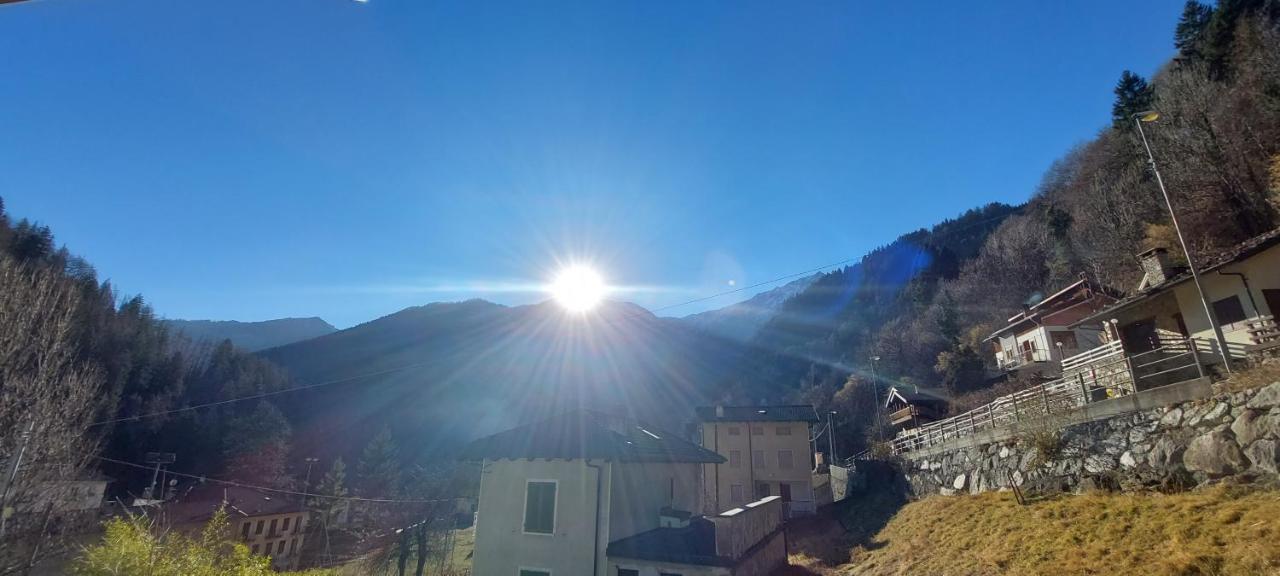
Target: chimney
x=1155, y=267
x=719, y=411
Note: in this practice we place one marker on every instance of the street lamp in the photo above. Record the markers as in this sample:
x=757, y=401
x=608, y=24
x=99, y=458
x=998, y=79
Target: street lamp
x=875, y=392
x=831, y=435
x=1152, y=116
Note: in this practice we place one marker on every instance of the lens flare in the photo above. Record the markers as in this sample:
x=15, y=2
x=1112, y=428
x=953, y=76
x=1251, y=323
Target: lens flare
x=578, y=288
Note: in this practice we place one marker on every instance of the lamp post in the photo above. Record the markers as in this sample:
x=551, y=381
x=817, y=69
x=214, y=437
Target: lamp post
x=1152, y=116
x=875, y=393
x=831, y=435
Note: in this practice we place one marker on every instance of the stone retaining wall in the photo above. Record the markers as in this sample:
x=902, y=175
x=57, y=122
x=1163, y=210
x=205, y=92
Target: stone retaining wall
x=1182, y=444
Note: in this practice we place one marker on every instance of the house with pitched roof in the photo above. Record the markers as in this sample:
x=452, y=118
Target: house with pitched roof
x=1037, y=339
x=1241, y=285
x=766, y=450
x=589, y=493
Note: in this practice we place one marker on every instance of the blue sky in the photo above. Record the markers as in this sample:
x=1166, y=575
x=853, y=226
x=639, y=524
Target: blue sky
x=242, y=159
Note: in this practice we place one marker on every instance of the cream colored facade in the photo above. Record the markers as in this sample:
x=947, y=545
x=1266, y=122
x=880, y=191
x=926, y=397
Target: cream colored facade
x=764, y=459
x=596, y=502
x=1178, y=312
x=1262, y=272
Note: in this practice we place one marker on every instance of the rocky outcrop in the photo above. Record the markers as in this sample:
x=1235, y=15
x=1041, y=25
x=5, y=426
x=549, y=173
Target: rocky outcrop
x=1236, y=434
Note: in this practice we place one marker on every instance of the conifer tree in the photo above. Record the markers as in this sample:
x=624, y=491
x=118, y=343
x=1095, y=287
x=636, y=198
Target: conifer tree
x=1190, y=31
x=1133, y=95
x=378, y=471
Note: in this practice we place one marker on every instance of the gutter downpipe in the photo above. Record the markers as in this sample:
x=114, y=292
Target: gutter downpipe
x=595, y=530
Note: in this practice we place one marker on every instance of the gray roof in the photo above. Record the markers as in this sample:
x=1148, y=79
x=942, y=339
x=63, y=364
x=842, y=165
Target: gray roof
x=792, y=413
x=692, y=544
x=585, y=434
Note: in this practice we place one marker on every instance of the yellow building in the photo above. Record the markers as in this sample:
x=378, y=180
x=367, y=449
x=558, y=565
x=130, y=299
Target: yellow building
x=269, y=525
x=767, y=452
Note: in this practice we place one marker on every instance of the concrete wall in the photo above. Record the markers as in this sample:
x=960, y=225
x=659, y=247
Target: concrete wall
x=1179, y=442
x=719, y=479
x=739, y=529
x=767, y=557
x=641, y=490
x=502, y=547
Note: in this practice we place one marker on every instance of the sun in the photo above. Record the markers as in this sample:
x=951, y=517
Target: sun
x=578, y=288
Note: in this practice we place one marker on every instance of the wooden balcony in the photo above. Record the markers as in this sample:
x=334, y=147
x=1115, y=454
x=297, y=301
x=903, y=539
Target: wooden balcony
x=1264, y=332
x=913, y=413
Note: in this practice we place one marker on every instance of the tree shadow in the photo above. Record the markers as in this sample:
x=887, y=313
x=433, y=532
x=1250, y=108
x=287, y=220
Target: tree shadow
x=830, y=537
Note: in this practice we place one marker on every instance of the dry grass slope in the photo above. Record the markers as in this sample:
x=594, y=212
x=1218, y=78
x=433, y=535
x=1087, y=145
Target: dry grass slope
x=1218, y=531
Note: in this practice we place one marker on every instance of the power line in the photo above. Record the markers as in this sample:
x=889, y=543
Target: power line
x=280, y=491
x=257, y=396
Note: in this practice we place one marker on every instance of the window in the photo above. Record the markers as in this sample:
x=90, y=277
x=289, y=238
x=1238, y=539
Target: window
x=258, y=530
x=280, y=548
x=757, y=430
x=735, y=458
x=297, y=526
x=762, y=490
x=244, y=530
x=540, y=507
x=628, y=572
x=285, y=526
x=669, y=574
x=735, y=493
x=735, y=431
x=786, y=460
x=1228, y=310
x=757, y=458
x=293, y=546
x=254, y=550
x=528, y=572
x=272, y=530
x=784, y=430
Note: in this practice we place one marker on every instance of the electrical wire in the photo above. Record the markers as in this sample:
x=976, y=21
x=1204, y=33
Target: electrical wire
x=280, y=491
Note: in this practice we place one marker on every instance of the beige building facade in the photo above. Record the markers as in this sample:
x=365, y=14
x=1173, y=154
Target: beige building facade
x=586, y=493
x=268, y=525
x=767, y=452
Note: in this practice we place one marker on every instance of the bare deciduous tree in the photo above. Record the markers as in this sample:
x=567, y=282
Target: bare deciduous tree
x=47, y=397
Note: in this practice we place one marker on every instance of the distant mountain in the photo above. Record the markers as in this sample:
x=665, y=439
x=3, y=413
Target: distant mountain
x=743, y=320
x=444, y=373
x=254, y=336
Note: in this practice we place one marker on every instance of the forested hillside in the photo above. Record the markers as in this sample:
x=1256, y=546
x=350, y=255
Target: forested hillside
x=253, y=336
x=1217, y=144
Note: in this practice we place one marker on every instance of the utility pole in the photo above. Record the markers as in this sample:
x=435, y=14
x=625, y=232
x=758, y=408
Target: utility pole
x=1152, y=116
x=13, y=476
x=306, y=484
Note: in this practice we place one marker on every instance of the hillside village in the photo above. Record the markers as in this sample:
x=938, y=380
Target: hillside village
x=1099, y=361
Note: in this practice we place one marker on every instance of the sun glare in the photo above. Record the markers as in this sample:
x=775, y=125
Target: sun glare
x=578, y=288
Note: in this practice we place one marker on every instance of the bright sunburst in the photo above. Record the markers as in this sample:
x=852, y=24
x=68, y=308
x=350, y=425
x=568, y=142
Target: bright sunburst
x=578, y=288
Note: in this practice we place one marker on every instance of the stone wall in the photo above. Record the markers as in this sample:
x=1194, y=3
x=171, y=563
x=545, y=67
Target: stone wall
x=1179, y=445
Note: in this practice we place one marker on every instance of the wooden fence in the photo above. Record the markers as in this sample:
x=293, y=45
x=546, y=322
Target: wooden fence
x=1098, y=374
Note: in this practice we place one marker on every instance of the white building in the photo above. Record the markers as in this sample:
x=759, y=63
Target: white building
x=586, y=493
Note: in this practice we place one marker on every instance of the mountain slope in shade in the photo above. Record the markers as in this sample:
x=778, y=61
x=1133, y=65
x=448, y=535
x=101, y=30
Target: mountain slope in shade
x=253, y=336
x=445, y=373
x=743, y=320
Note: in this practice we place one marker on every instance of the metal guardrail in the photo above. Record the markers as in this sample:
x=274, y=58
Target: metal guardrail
x=1098, y=374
